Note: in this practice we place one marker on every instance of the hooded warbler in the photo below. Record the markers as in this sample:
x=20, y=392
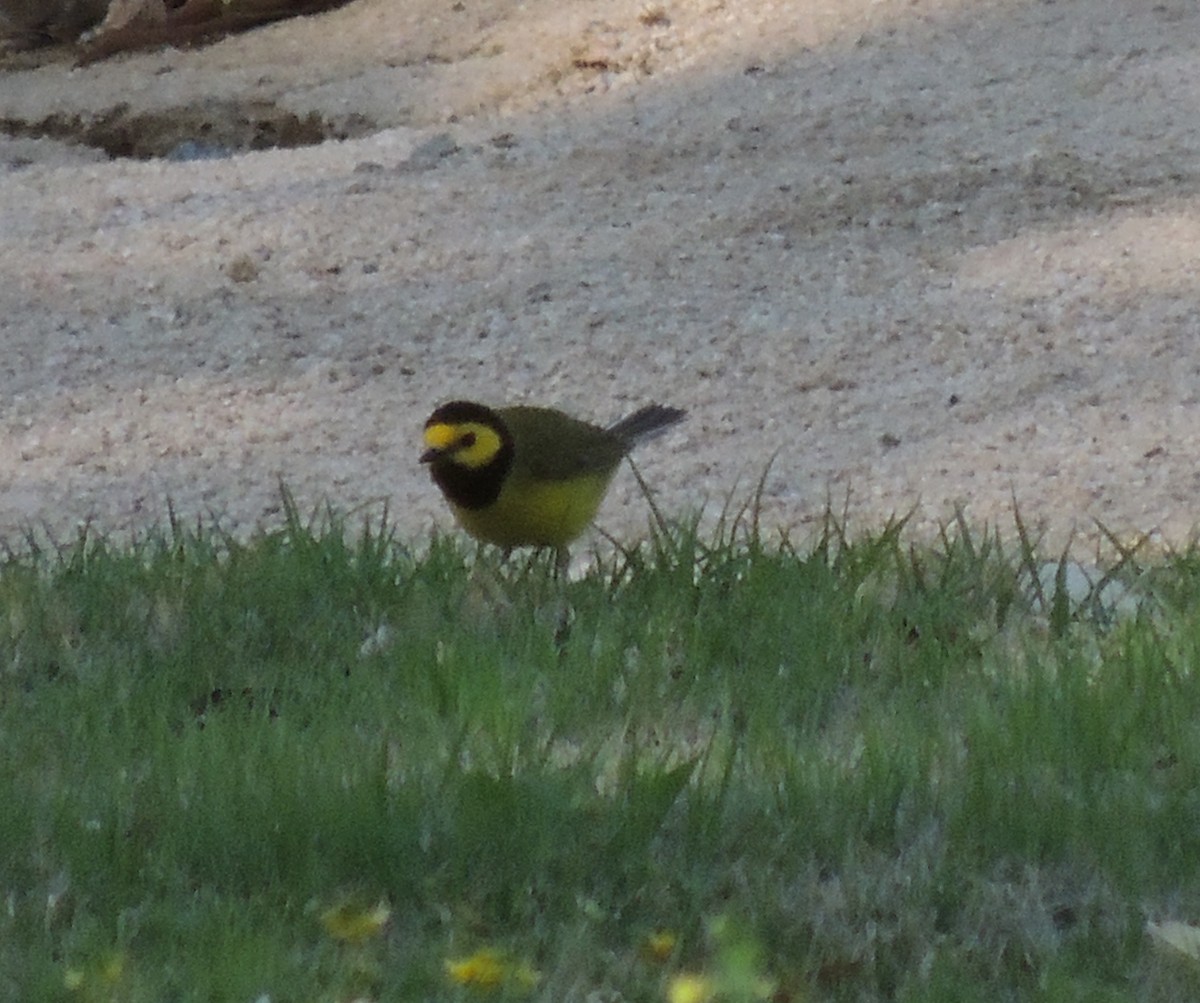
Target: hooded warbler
x=529, y=476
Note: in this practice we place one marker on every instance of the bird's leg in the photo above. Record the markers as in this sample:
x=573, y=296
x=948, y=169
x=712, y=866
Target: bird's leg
x=563, y=613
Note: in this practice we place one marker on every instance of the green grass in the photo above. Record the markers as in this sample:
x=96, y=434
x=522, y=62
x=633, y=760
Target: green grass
x=861, y=770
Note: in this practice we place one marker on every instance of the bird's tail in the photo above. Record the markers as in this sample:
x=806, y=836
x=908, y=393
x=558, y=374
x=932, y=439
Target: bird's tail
x=646, y=422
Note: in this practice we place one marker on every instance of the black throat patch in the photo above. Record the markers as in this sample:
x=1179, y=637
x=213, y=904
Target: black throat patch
x=472, y=487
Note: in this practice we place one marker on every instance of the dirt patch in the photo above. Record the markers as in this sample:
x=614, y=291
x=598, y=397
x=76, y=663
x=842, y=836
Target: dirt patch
x=204, y=130
x=936, y=253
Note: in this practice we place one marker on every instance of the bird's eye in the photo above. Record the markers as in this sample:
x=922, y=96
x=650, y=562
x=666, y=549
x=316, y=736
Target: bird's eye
x=467, y=441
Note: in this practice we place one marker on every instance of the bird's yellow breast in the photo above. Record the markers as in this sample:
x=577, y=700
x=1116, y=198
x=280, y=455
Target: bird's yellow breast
x=537, y=513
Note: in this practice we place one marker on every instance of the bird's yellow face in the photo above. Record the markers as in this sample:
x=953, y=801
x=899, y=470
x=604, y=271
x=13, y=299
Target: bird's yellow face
x=469, y=444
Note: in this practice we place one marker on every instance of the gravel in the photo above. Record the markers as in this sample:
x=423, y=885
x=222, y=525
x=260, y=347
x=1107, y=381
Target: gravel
x=911, y=255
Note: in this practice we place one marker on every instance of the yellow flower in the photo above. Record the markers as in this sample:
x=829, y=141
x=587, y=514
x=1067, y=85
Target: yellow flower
x=353, y=924
x=483, y=970
x=489, y=969
x=106, y=972
x=659, y=946
x=112, y=968
x=689, y=988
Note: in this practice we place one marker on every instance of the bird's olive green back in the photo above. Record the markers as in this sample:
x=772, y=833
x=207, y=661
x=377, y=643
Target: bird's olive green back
x=554, y=446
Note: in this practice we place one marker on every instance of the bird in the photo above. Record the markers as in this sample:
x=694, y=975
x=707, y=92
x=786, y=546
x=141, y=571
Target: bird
x=525, y=476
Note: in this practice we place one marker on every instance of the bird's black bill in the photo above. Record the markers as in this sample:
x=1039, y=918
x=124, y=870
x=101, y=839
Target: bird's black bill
x=430, y=455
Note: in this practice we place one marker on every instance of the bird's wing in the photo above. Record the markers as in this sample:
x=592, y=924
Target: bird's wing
x=553, y=446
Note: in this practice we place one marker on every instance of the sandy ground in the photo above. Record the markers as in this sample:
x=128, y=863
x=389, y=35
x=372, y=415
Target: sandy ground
x=927, y=252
